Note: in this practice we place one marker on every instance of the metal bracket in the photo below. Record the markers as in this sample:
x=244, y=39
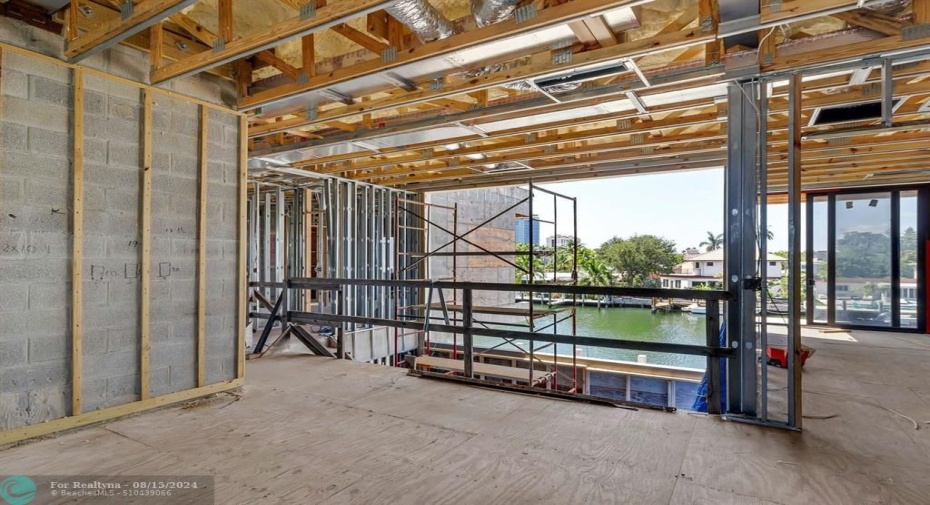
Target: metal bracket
x=219, y=45
x=125, y=10
x=638, y=138
x=388, y=55
x=752, y=284
x=436, y=84
x=707, y=23
x=525, y=13
x=648, y=150
x=308, y=10
x=624, y=124
x=562, y=57
x=915, y=32
x=839, y=141
x=312, y=113
x=453, y=162
x=303, y=78
x=774, y=5
x=871, y=89
x=549, y=149
x=529, y=138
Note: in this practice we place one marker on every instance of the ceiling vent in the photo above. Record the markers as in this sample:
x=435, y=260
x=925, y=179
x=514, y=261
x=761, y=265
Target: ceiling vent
x=852, y=113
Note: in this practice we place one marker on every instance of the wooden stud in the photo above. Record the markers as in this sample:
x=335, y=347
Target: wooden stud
x=77, y=248
x=308, y=55
x=110, y=413
x=225, y=8
x=202, y=250
x=157, y=44
x=114, y=31
x=145, y=259
x=243, y=241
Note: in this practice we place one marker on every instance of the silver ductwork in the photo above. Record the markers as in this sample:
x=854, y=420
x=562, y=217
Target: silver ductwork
x=422, y=18
x=888, y=7
x=488, y=12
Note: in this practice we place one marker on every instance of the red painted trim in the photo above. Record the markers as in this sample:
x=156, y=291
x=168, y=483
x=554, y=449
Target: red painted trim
x=927, y=285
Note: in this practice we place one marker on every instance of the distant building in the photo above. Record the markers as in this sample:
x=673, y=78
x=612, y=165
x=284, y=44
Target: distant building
x=707, y=269
x=523, y=230
x=560, y=241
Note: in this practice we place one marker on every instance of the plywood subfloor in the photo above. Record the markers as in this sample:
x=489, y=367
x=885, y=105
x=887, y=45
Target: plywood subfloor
x=314, y=430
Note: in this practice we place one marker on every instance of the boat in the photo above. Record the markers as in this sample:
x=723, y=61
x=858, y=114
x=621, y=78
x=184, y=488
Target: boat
x=696, y=309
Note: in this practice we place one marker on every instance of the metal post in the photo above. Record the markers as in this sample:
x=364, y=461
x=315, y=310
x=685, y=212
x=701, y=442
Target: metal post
x=763, y=243
x=468, y=341
x=794, y=252
x=340, y=328
x=574, y=296
x=887, y=92
x=740, y=242
x=712, y=320
x=531, y=279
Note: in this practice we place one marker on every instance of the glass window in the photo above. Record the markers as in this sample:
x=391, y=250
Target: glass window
x=710, y=263
x=863, y=259
x=907, y=302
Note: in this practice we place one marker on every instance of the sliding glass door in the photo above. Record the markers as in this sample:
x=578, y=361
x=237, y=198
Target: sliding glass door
x=864, y=259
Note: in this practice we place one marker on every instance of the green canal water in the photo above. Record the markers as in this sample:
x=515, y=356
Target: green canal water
x=627, y=324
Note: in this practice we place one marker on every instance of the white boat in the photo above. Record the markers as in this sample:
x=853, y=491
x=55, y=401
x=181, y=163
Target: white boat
x=696, y=309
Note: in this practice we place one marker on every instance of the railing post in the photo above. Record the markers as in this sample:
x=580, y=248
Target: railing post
x=467, y=338
x=340, y=331
x=712, y=318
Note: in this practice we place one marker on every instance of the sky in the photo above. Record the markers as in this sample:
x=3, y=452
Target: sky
x=680, y=206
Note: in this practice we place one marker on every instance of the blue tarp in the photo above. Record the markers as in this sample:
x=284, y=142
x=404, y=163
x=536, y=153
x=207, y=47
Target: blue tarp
x=700, y=401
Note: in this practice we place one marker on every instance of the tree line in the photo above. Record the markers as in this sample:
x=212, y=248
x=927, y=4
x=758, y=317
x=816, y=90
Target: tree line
x=627, y=262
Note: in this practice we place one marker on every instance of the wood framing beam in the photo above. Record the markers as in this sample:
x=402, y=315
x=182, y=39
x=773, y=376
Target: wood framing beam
x=844, y=52
x=195, y=29
x=144, y=14
x=225, y=8
x=551, y=16
x=539, y=65
x=175, y=46
x=361, y=38
x=325, y=17
x=874, y=21
x=157, y=44
x=272, y=59
x=792, y=10
x=601, y=31
x=308, y=55
x=921, y=12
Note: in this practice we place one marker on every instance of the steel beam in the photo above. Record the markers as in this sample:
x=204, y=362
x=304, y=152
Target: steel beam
x=740, y=244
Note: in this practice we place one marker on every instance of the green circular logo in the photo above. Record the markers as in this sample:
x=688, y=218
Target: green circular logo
x=18, y=490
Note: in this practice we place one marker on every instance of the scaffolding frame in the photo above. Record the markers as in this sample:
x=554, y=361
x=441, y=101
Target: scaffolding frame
x=429, y=223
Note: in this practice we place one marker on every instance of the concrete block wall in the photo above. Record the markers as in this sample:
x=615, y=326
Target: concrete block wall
x=35, y=241
x=36, y=195
x=474, y=207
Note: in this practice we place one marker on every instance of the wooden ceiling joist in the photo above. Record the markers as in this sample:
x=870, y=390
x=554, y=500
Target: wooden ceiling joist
x=548, y=17
x=324, y=17
x=539, y=65
x=141, y=16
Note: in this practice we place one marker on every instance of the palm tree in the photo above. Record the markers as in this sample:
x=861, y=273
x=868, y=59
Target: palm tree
x=769, y=235
x=713, y=242
x=596, y=272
